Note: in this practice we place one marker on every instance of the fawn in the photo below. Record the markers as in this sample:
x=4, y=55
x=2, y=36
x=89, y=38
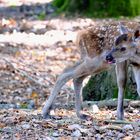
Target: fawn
x=120, y=53
x=95, y=44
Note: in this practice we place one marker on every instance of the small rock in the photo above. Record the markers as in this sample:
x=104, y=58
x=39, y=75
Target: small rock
x=17, y=98
x=74, y=126
x=128, y=127
x=47, y=138
x=78, y=127
x=55, y=134
x=98, y=136
x=110, y=133
x=136, y=111
x=76, y=133
x=25, y=126
x=95, y=109
x=29, y=90
x=120, y=135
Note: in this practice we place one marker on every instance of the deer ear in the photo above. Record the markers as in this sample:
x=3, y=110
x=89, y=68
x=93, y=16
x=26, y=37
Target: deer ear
x=120, y=39
x=137, y=34
x=123, y=29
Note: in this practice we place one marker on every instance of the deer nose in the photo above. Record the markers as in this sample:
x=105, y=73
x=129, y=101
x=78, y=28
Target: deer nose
x=109, y=58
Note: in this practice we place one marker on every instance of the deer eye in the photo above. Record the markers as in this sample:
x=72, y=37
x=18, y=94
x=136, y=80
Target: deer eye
x=122, y=49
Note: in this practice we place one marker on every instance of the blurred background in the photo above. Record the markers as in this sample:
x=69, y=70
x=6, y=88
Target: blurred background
x=99, y=8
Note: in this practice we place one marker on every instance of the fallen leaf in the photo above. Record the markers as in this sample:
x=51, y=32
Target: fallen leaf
x=2, y=125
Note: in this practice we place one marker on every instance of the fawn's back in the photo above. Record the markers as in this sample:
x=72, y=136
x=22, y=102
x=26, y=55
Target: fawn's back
x=94, y=40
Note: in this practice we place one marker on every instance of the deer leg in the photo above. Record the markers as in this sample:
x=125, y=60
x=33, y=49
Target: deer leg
x=78, y=86
x=62, y=79
x=136, y=71
x=78, y=96
x=121, y=73
x=82, y=68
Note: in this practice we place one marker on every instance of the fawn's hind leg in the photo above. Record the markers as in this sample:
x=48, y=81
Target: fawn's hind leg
x=78, y=95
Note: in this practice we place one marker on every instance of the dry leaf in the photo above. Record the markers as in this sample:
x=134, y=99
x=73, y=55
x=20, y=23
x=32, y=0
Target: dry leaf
x=2, y=125
x=34, y=95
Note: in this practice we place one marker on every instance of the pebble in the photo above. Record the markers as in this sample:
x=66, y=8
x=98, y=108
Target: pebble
x=74, y=126
x=25, y=126
x=128, y=127
x=95, y=109
x=55, y=134
x=76, y=133
x=120, y=135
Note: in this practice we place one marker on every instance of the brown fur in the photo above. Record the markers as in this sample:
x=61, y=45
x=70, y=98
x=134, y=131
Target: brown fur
x=94, y=40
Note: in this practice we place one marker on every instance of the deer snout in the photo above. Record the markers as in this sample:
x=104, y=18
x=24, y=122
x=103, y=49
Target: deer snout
x=110, y=59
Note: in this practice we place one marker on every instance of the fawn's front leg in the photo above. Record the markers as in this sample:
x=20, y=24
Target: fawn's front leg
x=121, y=74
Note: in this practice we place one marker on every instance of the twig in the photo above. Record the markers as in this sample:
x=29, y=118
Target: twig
x=121, y=122
x=112, y=127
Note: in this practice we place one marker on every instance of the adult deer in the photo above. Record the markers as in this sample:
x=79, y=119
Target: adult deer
x=94, y=44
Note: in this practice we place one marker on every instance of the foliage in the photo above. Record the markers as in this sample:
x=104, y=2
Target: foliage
x=99, y=8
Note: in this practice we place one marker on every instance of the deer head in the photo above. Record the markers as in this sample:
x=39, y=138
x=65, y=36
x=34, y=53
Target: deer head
x=126, y=45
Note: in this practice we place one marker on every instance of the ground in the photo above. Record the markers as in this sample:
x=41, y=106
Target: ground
x=33, y=53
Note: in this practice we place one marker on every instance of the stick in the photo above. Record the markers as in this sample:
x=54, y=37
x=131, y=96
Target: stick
x=121, y=122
